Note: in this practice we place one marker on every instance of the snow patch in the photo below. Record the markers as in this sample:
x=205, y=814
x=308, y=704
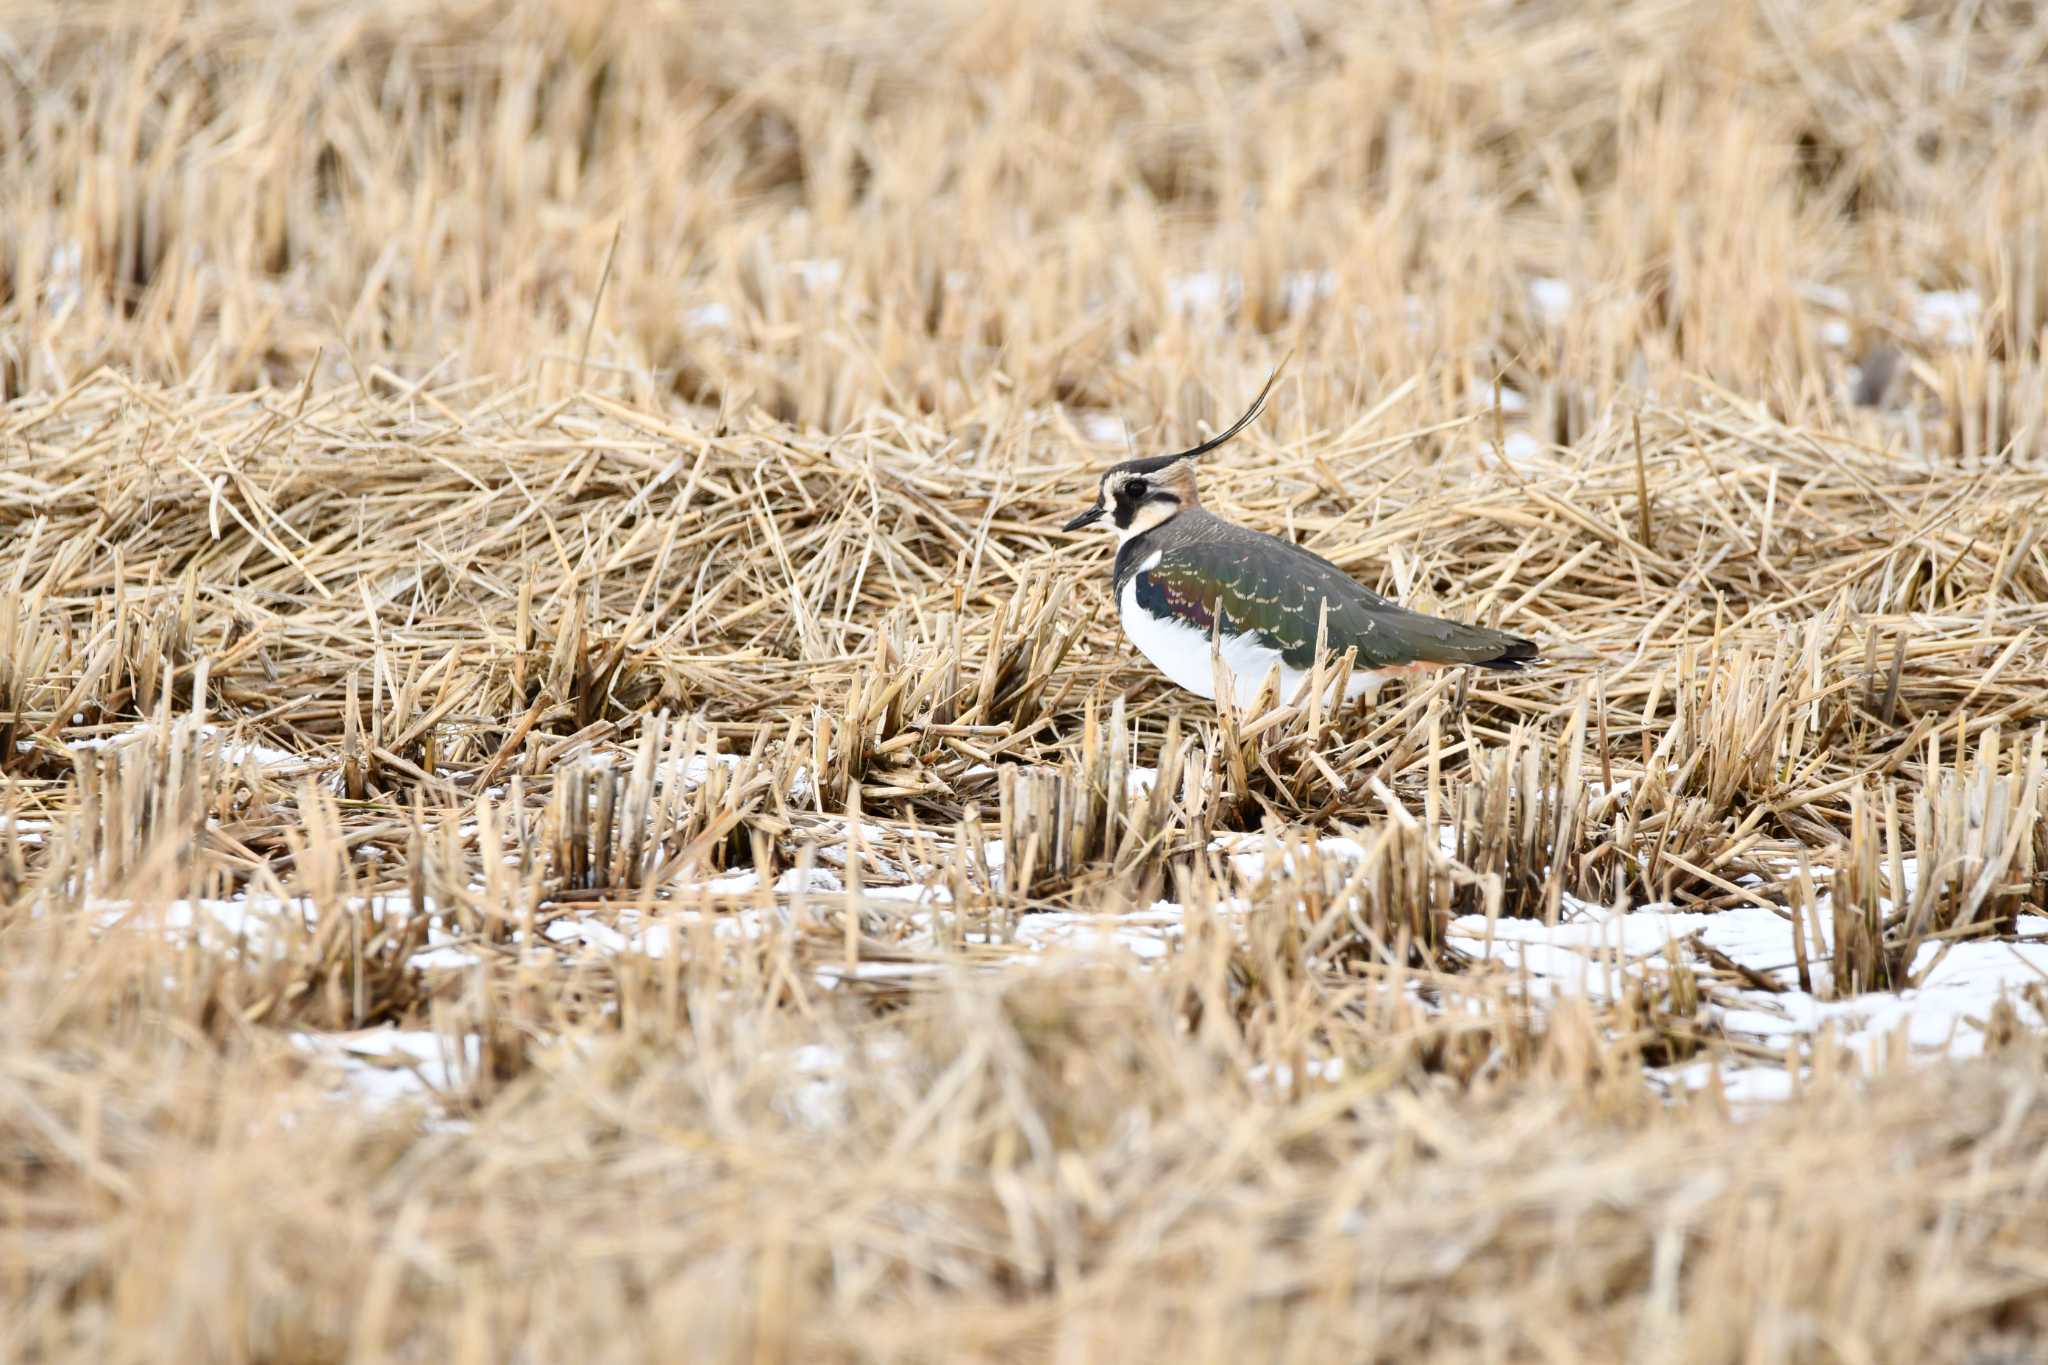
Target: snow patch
x=230, y=750
x=387, y=1067
x=1250, y=855
x=24, y=831
x=1147, y=934
x=1512, y=401
x=1203, y=292
x=1950, y=316
x=1302, y=289
x=1942, y=1013
x=66, y=271
x=1550, y=299
x=1103, y=428
x=818, y=274
x=1280, y=1076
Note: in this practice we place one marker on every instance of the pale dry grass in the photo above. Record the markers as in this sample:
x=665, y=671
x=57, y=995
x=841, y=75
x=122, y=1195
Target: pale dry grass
x=494, y=474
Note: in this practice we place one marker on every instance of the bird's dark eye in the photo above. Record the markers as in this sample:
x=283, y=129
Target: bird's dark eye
x=1137, y=489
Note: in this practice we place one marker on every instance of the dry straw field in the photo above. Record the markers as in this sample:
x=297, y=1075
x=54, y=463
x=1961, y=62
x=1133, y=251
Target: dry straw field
x=566, y=799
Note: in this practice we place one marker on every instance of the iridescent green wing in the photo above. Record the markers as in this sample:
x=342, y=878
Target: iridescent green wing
x=1275, y=592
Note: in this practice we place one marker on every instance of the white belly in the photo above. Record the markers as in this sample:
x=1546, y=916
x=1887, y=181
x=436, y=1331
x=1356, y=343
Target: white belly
x=1183, y=654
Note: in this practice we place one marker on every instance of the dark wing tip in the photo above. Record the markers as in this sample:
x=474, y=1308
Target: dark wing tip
x=1518, y=653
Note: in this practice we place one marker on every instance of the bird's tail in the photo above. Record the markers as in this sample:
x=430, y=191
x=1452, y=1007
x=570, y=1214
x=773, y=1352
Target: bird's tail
x=1515, y=653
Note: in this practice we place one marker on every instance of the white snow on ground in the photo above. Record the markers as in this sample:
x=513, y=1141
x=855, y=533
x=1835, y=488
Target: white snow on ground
x=384, y=1067
x=631, y=935
x=251, y=921
x=1551, y=299
x=696, y=770
x=24, y=830
x=1512, y=400
x=1824, y=295
x=230, y=750
x=818, y=275
x=1303, y=288
x=1950, y=316
x=1203, y=292
x=814, y=1079
x=1947, y=317
x=924, y=895
x=1596, y=953
x=1149, y=933
x=1592, y=952
x=1249, y=853
x=257, y=923
x=1280, y=1076
x=833, y=974
x=444, y=952
x=1580, y=954
x=1102, y=427
x=65, y=271
x=1210, y=292
x=655, y=936
x=1953, y=988
x=693, y=770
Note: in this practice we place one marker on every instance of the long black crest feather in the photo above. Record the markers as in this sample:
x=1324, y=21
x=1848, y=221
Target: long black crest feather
x=1251, y=414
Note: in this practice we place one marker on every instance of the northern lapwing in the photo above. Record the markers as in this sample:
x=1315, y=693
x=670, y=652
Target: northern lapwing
x=1191, y=586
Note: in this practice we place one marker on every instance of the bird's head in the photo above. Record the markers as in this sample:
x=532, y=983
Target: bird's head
x=1137, y=495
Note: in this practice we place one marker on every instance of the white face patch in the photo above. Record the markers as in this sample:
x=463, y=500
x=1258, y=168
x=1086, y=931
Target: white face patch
x=1135, y=503
x=1105, y=498
x=1147, y=516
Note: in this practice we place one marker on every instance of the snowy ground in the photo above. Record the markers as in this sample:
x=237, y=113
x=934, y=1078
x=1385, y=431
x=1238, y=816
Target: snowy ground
x=1955, y=986
x=1770, y=1024
x=231, y=750
x=388, y=1066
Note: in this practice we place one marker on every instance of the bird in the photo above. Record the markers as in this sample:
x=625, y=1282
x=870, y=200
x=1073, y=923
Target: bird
x=1192, y=587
